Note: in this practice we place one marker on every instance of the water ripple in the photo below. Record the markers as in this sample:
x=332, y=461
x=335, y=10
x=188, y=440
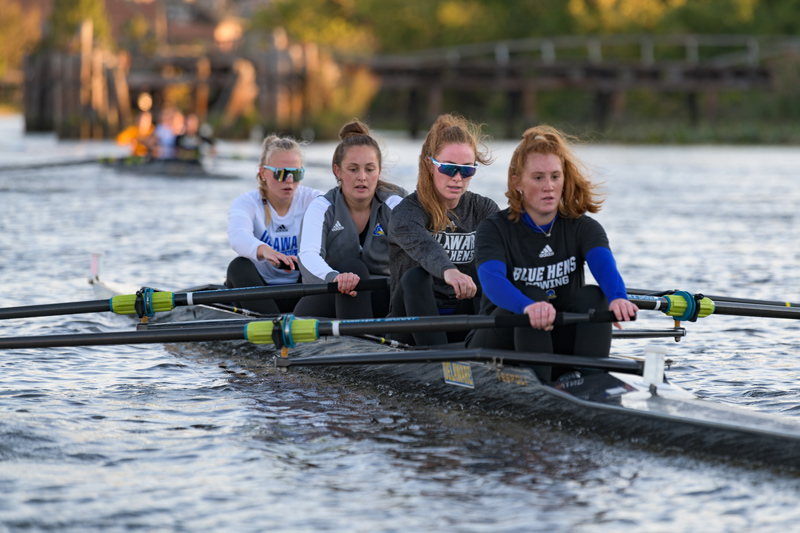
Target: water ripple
x=210, y=437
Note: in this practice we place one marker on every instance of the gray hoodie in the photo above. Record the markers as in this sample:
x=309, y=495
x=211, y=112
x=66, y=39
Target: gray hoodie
x=328, y=235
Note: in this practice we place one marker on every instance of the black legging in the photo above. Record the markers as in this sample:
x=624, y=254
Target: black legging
x=414, y=297
x=242, y=273
x=366, y=304
x=587, y=339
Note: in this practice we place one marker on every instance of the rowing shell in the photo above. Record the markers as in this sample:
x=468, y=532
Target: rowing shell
x=173, y=168
x=616, y=405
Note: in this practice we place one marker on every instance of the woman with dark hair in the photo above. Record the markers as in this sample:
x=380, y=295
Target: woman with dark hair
x=432, y=252
x=344, y=235
x=264, y=224
x=531, y=256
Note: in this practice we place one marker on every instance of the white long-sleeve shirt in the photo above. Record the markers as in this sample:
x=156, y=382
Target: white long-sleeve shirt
x=247, y=230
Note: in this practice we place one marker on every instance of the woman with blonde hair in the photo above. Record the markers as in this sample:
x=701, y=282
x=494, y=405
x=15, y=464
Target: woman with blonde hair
x=264, y=224
x=531, y=256
x=345, y=232
x=432, y=252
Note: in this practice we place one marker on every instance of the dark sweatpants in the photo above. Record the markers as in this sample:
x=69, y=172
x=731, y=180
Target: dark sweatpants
x=414, y=297
x=366, y=304
x=242, y=273
x=587, y=339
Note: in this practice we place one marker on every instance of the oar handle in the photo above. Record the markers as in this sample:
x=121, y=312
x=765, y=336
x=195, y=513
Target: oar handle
x=375, y=284
x=562, y=319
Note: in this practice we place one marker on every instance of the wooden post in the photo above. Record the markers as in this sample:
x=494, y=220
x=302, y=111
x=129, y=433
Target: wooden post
x=122, y=91
x=99, y=95
x=87, y=29
x=435, y=93
x=202, y=91
x=513, y=109
x=59, y=105
x=711, y=104
x=691, y=104
x=529, y=112
x=618, y=101
x=297, y=86
x=281, y=67
x=413, y=113
x=312, y=88
x=602, y=106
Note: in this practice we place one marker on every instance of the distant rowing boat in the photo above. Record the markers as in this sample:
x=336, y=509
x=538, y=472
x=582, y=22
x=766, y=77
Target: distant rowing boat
x=173, y=168
x=611, y=397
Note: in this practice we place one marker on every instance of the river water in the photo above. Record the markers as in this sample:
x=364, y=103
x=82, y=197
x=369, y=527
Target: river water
x=193, y=438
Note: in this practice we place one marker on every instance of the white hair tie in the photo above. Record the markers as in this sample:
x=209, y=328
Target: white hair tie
x=539, y=138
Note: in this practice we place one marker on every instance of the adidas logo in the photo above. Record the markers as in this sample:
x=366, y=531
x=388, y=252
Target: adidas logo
x=337, y=227
x=281, y=228
x=547, y=251
x=379, y=231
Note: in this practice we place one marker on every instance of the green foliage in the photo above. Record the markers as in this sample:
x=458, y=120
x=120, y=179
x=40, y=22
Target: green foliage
x=335, y=23
x=389, y=26
x=66, y=20
x=139, y=36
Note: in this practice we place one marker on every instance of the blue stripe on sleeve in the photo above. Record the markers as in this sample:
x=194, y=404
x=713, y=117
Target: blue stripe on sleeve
x=497, y=287
x=604, y=269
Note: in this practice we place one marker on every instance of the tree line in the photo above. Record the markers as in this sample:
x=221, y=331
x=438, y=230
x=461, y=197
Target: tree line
x=389, y=26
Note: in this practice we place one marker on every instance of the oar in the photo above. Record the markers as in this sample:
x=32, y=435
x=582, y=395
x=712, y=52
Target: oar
x=478, y=354
x=49, y=164
x=147, y=302
x=685, y=306
x=289, y=330
x=645, y=292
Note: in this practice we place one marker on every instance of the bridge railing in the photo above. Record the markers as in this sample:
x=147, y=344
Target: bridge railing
x=646, y=50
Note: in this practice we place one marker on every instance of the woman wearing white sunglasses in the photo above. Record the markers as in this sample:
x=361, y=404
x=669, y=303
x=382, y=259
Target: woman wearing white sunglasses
x=432, y=238
x=264, y=224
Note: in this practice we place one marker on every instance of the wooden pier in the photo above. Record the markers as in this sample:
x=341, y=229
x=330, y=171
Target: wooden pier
x=289, y=87
x=604, y=66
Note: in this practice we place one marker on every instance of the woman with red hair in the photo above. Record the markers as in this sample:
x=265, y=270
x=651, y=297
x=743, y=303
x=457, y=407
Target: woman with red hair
x=531, y=255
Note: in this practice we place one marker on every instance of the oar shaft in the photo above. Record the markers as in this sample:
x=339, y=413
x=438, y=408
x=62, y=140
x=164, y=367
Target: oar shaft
x=717, y=299
x=48, y=164
x=124, y=337
x=289, y=329
x=294, y=290
x=273, y=292
x=722, y=308
x=447, y=323
x=71, y=308
x=757, y=310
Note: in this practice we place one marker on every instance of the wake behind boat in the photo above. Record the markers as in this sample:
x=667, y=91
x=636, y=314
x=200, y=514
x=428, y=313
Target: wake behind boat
x=626, y=399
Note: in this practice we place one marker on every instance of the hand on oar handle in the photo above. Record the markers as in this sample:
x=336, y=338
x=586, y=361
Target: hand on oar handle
x=347, y=283
x=541, y=315
x=624, y=310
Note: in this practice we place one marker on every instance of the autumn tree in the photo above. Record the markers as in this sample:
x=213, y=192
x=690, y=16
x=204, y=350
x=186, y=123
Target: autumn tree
x=19, y=33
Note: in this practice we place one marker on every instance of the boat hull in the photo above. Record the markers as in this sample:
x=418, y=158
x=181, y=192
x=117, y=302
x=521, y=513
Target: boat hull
x=608, y=404
x=173, y=168
x=611, y=405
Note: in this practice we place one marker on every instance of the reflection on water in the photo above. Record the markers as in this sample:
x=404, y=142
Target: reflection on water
x=211, y=437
